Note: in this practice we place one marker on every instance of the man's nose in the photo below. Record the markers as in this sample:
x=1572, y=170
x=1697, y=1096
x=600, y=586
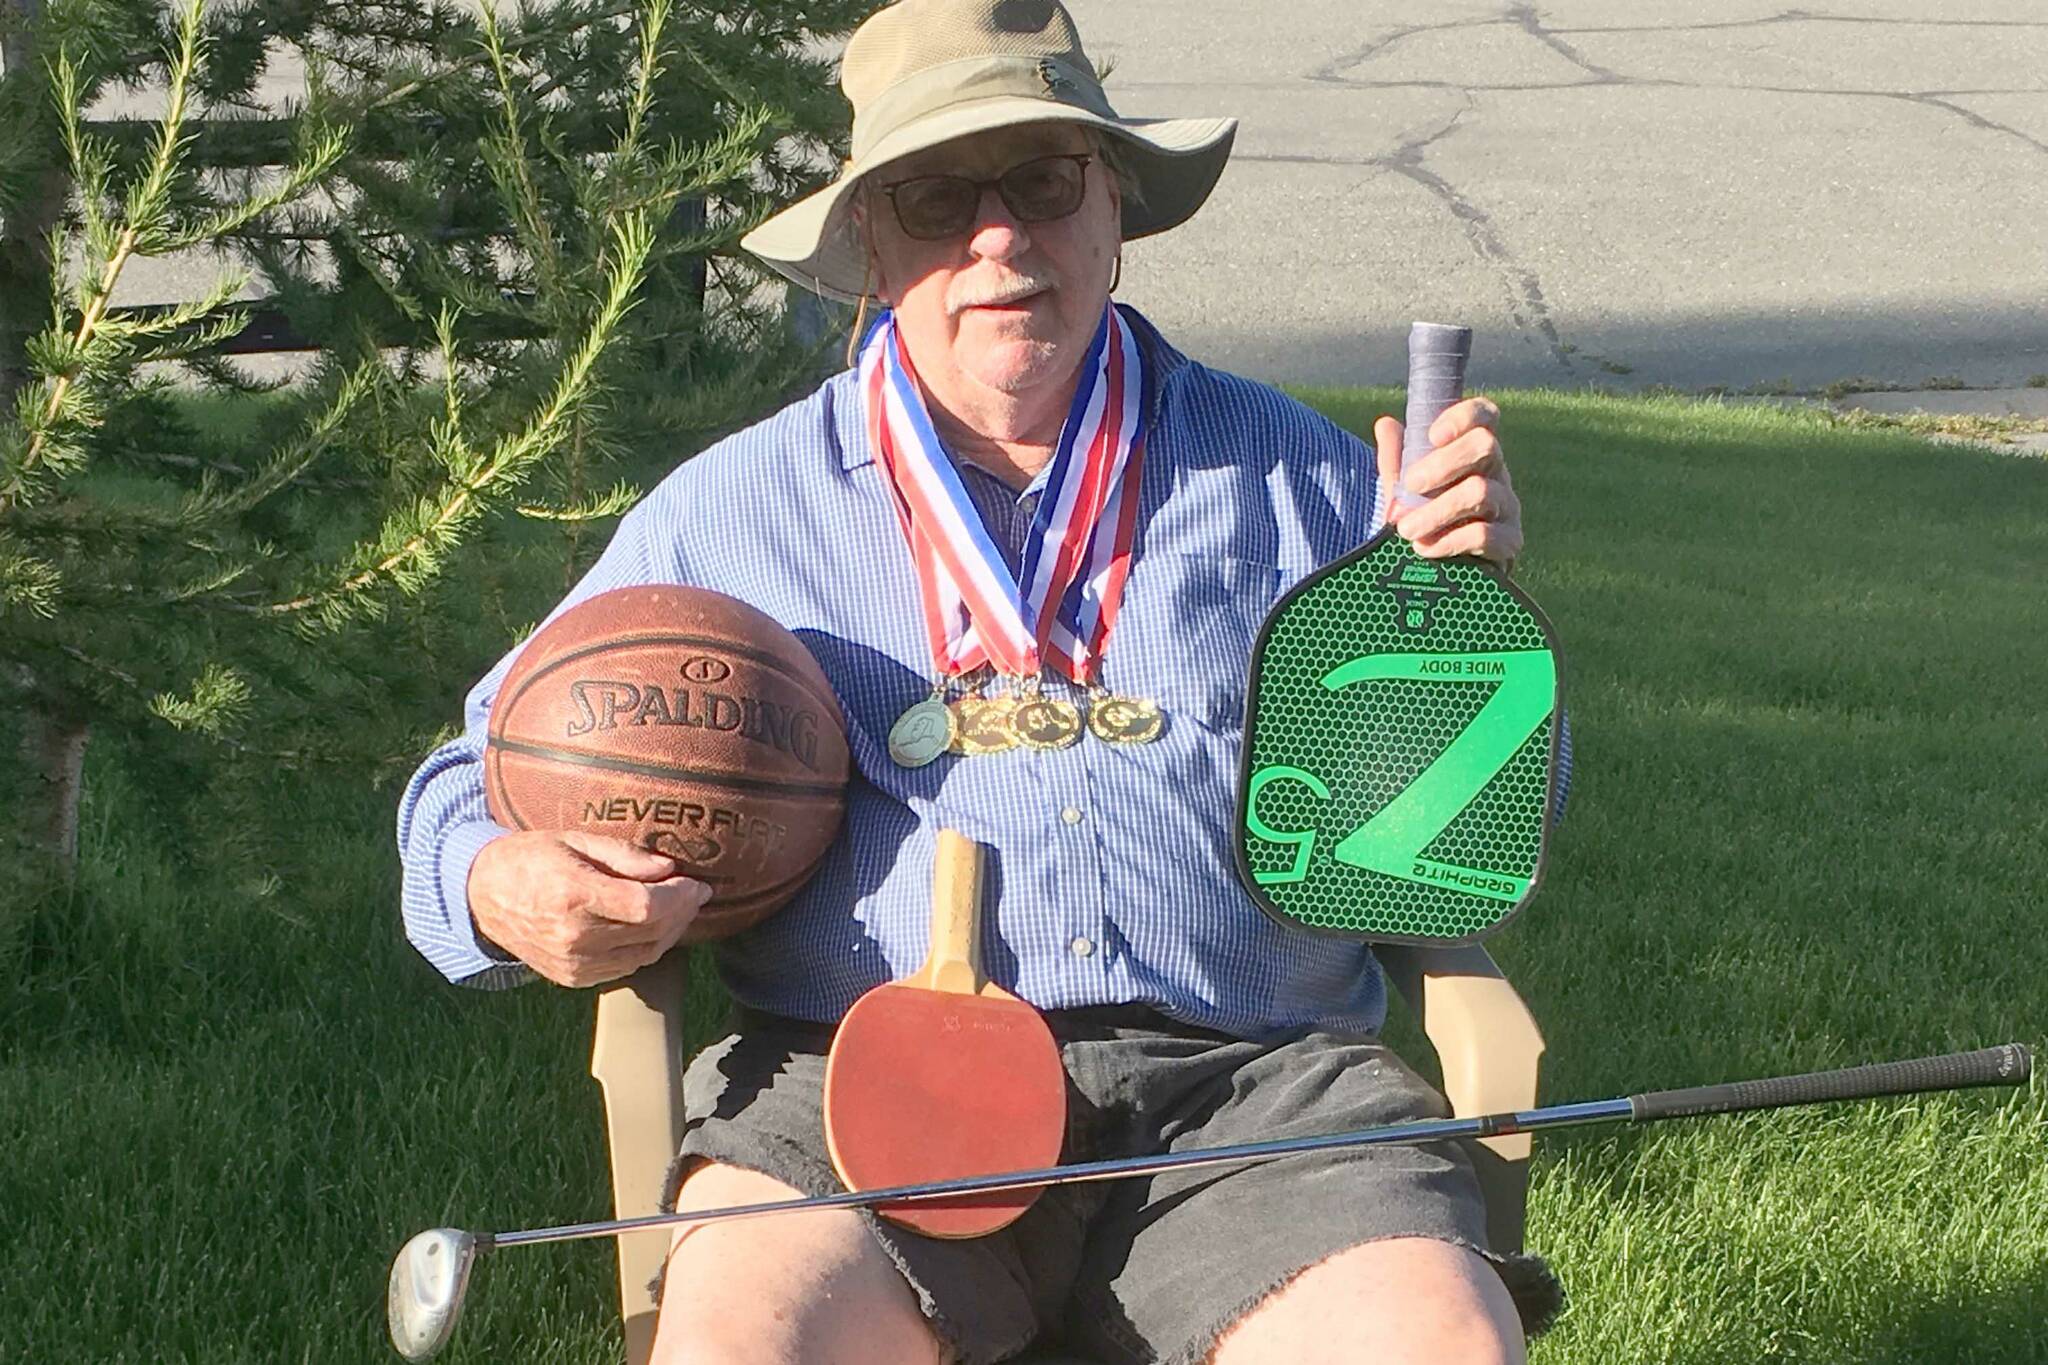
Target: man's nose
x=996, y=234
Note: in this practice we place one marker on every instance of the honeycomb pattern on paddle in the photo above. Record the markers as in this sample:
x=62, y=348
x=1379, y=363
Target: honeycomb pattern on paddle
x=1369, y=740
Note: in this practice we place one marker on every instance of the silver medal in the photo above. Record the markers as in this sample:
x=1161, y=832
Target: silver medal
x=921, y=733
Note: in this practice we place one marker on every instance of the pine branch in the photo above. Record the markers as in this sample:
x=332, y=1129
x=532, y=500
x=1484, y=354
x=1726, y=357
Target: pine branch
x=285, y=468
x=218, y=700
x=243, y=472
x=700, y=169
x=625, y=158
x=222, y=328
x=97, y=519
x=145, y=205
x=614, y=501
x=27, y=584
x=221, y=376
x=505, y=155
x=99, y=666
x=208, y=584
x=649, y=70
x=135, y=326
x=148, y=202
x=449, y=446
x=404, y=91
x=408, y=551
x=324, y=151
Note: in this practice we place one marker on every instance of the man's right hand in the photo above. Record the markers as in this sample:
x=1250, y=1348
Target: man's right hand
x=580, y=909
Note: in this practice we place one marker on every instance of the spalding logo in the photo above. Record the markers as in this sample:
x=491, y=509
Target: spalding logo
x=607, y=705
x=704, y=669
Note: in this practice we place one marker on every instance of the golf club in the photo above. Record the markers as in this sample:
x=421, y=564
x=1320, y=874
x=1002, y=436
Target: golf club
x=430, y=1277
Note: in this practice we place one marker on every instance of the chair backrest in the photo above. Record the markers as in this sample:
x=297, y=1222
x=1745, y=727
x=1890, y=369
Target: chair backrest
x=1484, y=1037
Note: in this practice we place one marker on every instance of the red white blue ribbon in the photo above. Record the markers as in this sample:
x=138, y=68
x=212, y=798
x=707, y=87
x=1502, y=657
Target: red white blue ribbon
x=1062, y=602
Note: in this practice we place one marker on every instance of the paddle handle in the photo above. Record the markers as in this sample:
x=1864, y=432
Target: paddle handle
x=1437, y=353
x=954, y=962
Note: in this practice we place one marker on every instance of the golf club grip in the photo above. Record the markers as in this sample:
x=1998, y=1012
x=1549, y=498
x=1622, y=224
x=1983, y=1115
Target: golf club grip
x=2010, y=1064
x=1437, y=353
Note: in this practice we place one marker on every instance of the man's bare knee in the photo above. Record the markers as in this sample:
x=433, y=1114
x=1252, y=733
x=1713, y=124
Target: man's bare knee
x=783, y=1289
x=1406, y=1299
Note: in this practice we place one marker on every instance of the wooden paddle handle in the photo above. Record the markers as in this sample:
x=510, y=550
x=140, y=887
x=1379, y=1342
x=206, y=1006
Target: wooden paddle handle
x=954, y=962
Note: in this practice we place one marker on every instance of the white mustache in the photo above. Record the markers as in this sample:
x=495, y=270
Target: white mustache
x=981, y=294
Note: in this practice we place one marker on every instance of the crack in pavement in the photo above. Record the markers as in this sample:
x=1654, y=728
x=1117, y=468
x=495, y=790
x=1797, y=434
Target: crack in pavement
x=1926, y=99
x=1531, y=23
x=1328, y=71
x=1527, y=305
x=1528, y=18
x=1972, y=117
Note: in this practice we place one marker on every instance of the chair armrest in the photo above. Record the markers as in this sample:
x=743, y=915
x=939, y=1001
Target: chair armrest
x=1490, y=1049
x=637, y=1056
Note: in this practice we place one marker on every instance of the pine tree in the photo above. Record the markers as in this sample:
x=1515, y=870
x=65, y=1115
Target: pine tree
x=512, y=240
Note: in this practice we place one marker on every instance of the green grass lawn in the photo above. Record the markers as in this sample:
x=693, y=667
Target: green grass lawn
x=1805, y=667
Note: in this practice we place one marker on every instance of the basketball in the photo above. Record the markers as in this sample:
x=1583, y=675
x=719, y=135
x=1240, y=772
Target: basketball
x=686, y=722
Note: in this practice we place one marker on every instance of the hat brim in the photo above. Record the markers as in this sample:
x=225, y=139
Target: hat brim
x=1176, y=162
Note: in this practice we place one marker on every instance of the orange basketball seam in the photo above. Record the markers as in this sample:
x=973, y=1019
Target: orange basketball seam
x=767, y=786
x=761, y=657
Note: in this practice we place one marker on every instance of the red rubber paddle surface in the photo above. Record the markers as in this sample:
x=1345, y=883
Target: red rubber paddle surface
x=942, y=1075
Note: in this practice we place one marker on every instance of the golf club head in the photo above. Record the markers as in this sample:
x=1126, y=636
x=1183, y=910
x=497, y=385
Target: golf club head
x=428, y=1281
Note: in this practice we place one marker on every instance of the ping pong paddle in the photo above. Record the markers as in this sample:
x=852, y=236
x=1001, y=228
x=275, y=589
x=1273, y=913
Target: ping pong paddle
x=1403, y=729
x=945, y=1074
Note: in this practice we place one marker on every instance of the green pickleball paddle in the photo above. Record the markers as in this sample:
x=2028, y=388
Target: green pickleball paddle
x=1402, y=727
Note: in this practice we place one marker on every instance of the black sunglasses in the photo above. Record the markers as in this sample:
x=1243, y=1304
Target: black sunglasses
x=933, y=207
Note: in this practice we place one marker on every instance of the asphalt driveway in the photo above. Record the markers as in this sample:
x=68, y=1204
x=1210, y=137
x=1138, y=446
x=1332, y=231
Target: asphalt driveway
x=1612, y=192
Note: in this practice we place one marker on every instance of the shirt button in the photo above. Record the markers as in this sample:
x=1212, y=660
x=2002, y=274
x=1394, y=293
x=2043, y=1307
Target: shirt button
x=1072, y=815
x=1082, y=947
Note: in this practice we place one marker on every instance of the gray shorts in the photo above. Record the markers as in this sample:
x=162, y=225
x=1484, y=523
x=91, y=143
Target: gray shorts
x=1139, y=1270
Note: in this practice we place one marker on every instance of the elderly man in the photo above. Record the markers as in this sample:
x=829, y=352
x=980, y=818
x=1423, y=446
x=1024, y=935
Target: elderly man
x=1136, y=514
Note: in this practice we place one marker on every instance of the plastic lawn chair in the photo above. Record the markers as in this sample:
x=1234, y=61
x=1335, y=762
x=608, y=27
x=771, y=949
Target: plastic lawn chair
x=1484, y=1036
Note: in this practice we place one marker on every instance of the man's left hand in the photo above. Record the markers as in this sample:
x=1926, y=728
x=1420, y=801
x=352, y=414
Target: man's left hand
x=1469, y=506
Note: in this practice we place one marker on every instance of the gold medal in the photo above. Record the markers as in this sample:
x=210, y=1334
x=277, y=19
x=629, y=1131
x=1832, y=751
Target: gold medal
x=983, y=725
x=921, y=733
x=1047, y=722
x=1124, y=720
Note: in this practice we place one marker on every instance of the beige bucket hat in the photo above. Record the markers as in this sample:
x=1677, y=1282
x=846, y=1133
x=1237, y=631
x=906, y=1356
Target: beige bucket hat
x=922, y=72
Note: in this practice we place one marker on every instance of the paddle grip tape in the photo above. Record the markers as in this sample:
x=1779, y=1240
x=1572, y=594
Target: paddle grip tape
x=1437, y=353
x=2010, y=1064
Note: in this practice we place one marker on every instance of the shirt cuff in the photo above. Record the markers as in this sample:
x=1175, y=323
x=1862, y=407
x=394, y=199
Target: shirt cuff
x=459, y=847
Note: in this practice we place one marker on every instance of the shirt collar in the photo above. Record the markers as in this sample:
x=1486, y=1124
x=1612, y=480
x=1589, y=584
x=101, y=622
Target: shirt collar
x=1161, y=361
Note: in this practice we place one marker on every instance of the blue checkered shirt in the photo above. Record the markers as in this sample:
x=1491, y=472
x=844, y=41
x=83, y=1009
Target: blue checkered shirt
x=1111, y=873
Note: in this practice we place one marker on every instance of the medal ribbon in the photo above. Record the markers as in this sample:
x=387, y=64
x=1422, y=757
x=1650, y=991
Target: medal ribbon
x=1063, y=601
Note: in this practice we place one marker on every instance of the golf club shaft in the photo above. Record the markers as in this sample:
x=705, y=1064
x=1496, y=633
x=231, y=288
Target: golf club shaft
x=2010, y=1064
